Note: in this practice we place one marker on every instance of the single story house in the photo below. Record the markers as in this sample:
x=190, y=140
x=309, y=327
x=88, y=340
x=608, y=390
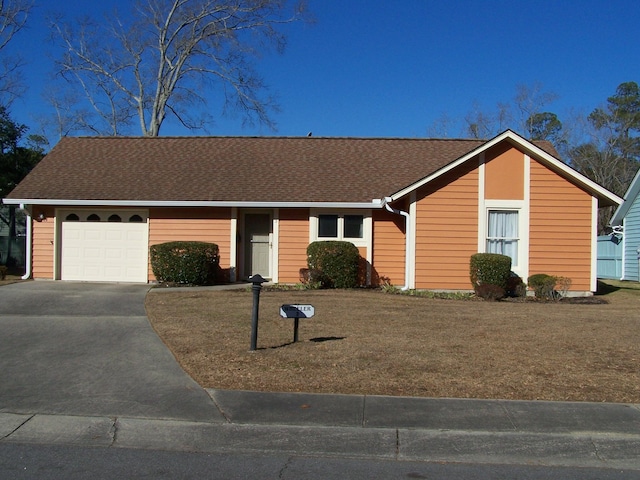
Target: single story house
x=626, y=224
x=417, y=209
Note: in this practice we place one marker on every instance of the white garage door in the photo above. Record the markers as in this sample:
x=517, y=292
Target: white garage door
x=104, y=246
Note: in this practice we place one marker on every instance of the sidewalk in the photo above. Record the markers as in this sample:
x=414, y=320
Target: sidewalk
x=391, y=428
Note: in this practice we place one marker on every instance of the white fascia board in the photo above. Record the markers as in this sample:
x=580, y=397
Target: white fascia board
x=528, y=148
x=153, y=203
x=629, y=197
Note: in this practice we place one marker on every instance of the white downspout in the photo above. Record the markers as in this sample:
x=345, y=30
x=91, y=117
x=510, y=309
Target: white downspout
x=27, y=267
x=407, y=224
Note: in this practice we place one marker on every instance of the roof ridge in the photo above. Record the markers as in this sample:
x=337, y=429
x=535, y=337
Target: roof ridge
x=267, y=137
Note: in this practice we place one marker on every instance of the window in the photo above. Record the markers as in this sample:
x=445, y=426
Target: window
x=328, y=226
x=72, y=217
x=502, y=234
x=135, y=219
x=115, y=218
x=93, y=218
x=353, y=226
x=341, y=226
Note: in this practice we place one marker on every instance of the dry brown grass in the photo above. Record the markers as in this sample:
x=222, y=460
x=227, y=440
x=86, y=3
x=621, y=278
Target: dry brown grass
x=367, y=342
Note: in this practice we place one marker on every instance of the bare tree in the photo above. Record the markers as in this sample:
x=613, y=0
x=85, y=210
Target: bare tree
x=166, y=55
x=13, y=17
x=531, y=100
x=517, y=114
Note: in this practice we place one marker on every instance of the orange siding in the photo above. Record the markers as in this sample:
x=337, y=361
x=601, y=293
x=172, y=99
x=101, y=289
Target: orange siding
x=447, y=230
x=560, y=228
x=504, y=173
x=195, y=224
x=362, y=266
x=294, y=239
x=43, y=245
x=388, y=249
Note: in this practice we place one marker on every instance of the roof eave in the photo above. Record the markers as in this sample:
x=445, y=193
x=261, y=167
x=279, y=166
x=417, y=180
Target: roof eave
x=629, y=197
x=375, y=203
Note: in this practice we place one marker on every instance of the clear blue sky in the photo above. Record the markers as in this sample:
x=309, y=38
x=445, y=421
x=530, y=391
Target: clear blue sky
x=391, y=68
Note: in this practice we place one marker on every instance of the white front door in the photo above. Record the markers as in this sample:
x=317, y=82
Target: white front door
x=257, y=234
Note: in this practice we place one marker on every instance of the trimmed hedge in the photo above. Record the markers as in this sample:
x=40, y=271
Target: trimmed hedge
x=192, y=263
x=543, y=285
x=333, y=264
x=491, y=269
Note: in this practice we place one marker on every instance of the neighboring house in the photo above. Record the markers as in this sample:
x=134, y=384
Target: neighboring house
x=626, y=223
x=417, y=209
x=11, y=247
x=610, y=256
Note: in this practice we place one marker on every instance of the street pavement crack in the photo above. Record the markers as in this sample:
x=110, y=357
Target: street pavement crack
x=509, y=417
x=215, y=402
x=364, y=411
x=397, y=443
x=19, y=427
x=114, y=431
x=285, y=467
x=596, y=451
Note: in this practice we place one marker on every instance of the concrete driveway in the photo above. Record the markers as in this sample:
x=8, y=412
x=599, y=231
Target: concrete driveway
x=88, y=349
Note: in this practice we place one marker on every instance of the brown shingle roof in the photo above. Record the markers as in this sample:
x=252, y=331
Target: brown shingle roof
x=235, y=169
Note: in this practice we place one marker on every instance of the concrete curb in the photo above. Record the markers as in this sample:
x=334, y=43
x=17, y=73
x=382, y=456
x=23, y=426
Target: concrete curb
x=585, y=449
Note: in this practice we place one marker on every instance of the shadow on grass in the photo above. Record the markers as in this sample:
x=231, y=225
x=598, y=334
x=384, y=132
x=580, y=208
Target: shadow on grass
x=325, y=339
x=606, y=287
x=315, y=340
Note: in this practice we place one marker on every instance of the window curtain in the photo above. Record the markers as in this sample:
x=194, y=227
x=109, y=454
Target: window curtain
x=503, y=234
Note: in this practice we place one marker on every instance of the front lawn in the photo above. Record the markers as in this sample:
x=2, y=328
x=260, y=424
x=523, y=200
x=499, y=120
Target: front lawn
x=368, y=342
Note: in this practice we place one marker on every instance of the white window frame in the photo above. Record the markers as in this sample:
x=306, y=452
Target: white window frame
x=365, y=241
x=523, y=231
x=504, y=239
x=367, y=231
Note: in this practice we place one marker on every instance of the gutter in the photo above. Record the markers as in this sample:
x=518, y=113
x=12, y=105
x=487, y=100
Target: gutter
x=386, y=202
x=374, y=204
x=29, y=245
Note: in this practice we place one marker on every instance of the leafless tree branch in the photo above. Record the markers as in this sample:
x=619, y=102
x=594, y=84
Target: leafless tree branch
x=158, y=62
x=13, y=18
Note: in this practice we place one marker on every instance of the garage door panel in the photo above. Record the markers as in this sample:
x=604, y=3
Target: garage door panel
x=92, y=235
x=113, y=235
x=104, y=251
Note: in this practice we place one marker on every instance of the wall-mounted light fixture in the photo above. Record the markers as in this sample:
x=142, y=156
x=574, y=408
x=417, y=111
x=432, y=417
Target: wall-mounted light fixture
x=40, y=217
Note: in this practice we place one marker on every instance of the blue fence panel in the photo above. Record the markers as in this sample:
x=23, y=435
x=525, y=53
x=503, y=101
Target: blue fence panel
x=609, y=257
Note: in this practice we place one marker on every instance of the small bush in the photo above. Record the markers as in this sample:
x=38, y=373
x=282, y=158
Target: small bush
x=490, y=292
x=565, y=284
x=515, y=286
x=490, y=268
x=543, y=285
x=333, y=264
x=192, y=263
x=308, y=279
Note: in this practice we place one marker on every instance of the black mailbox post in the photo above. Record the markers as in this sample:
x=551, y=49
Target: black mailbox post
x=257, y=282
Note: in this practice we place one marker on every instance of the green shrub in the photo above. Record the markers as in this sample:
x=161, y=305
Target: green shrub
x=543, y=285
x=489, y=268
x=192, y=263
x=333, y=264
